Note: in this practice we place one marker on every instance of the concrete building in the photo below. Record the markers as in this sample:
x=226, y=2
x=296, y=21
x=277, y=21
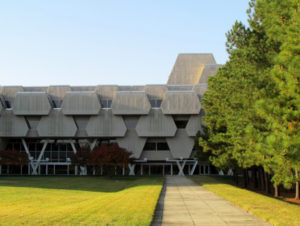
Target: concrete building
x=157, y=123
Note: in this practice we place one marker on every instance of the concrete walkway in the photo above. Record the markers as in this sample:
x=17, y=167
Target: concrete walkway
x=183, y=202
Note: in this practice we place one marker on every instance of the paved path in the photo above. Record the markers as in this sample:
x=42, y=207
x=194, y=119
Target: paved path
x=183, y=202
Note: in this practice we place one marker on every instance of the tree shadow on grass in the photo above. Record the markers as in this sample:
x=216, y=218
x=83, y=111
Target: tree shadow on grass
x=92, y=184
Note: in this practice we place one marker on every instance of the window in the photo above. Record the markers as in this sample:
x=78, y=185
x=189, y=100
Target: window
x=8, y=105
x=150, y=146
x=155, y=103
x=162, y=146
x=181, y=124
x=106, y=103
x=131, y=121
x=156, y=146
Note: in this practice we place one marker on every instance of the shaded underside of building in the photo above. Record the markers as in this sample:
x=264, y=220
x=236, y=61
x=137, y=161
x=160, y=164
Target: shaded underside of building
x=157, y=123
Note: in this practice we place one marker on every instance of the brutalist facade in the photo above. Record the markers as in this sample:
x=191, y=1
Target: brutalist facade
x=157, y=123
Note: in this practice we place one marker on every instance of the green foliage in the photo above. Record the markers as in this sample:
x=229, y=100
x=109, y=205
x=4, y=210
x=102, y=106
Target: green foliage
x=253, y=102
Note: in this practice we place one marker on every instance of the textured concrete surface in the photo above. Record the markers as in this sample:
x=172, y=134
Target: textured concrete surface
x=181, y=145
x=181, y=103
x=183, y=202
x=31, y=103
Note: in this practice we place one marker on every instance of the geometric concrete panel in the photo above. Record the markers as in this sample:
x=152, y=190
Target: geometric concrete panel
x=188, y=68
x=9, y=92
x=194, y=125
x=209, y=70
x=56, y=124
x=155, y=91
x=181, y=103
x=132, y=142
x=181, y=145
x=156, y=124
x=12, y=125
x=200, y=88
x=58, y=93
x=32, y=103
x=106, y=125
x=106, y=91
x=131, y=103
x=81, y=103
x=157, y=155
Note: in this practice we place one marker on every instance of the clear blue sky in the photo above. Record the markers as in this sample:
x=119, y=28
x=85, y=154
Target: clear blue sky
x=89, y=42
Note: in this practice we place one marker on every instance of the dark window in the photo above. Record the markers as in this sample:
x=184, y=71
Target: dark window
x=155, y=103
x=106, y=103
x=8, y=105
x=181, y=124
x=130, y=121
x=150, y=146
x=162, y=146
x=156, y=146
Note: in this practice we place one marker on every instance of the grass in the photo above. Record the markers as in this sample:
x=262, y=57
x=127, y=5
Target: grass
x=78, y=200
x=275, y=211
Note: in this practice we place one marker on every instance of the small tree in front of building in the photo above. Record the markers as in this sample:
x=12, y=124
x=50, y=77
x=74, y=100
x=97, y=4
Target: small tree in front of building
x=109, y=157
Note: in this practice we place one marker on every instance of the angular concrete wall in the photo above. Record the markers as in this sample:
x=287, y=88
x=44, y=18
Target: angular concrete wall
x=181, y=145
x=9, y=92
x=156, y=155
x=200, y=89
x=181, y=102
x=81, y=103
x=56, y=124
x=106, y=91
x=209, y=70
x=194, y=125
x=156, y=124
x=133, y=143
x=31, y=103
x=188, y=68
x=58, y=93
x=106, y=125
x=12, y=125
x=155, y=91
x=131, y=103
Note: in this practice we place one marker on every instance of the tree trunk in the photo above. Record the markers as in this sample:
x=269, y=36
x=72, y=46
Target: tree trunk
x=276, y=194
x=261, y=175
x=297, y=184
x=266, y=183
x=245, y=178
x=254, y=172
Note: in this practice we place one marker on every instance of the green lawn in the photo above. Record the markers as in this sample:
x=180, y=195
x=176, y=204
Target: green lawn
x=78, y=200
x=275, y=211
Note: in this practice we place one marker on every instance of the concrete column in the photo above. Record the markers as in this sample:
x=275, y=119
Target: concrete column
x=68, y=169
x=171, y=169
x=94, y=170
x=149, y=170
x=163, y=171
x=47, y=169
x=29, y=168
x=21, y=169
x=54, y=170
x=142, y=166
x=123, y=171
x=39, y=170
x=189, y=169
